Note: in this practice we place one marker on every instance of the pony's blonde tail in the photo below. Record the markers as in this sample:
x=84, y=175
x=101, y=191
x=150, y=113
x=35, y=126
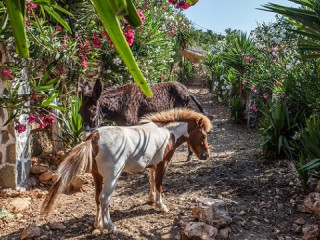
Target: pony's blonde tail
x=78, y=160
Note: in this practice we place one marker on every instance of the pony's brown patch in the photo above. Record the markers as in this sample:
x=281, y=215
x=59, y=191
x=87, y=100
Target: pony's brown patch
x=178, y=114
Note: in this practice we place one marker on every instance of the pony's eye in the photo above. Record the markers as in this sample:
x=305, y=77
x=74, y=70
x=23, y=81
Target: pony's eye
x=204, y=136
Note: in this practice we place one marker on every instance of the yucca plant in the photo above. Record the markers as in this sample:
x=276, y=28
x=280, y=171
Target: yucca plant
x=236, y=109
x=71, y=124
x=277, y=126
x=306, y=23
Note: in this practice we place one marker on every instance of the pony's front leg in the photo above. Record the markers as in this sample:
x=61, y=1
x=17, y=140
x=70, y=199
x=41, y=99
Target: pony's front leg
x=151, y=197
x=160, y=170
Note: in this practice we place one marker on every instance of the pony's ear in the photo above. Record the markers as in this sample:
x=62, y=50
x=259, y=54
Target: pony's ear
x=97, y=89
x=86, y=89
x=199, y=122
x=210, y=117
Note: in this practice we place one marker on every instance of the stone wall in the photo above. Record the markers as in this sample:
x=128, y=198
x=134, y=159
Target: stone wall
x=15, y=154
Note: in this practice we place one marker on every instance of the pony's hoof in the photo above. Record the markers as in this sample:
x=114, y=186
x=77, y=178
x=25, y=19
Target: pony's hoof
x=113, y=229
x=151, y=199
x=162, y=208
x=97, y=225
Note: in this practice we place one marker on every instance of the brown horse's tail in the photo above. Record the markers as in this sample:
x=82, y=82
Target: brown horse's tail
x=196, y=101
x=78, y=160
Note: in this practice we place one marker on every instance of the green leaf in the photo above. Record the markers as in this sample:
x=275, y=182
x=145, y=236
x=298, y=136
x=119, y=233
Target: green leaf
x=16, y=10
x=192, y=2
x=112, y=25
x=54, y=106
x=62, y=10
x=132, y=17
x=57, y=17
x=118, y=7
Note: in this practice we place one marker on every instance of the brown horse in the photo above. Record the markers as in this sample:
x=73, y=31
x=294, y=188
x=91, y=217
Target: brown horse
x=110, y=150
x=125, y=105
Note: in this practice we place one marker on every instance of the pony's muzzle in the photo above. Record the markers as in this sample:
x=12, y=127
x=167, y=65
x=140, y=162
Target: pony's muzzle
x=204, y=156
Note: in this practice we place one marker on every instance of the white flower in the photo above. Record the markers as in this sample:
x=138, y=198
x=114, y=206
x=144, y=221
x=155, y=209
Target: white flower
x=116, y=61
x=109, y=71
x=288, y=66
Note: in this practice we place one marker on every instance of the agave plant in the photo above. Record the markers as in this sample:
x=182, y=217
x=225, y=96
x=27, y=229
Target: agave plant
x=306, y=24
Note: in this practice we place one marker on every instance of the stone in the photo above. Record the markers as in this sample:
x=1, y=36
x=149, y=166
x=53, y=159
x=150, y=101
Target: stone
x=224, y=233
x=31, y=232
x=318, y=187
x=8, y=176
x=312, y=203
x=96, y=231
x=35, y=169
x=212, y=211
x=4, y=136
x=46, y=176
x=77, y=183
x=300, y=221
x=57, y=226
x=199, y=231
x=18, y=205
x=58, y=158
x=11, y=153
x=310, y=232
x=11, y=130
x=2, y=116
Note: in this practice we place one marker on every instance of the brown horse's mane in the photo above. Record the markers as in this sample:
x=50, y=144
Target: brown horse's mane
x=177, y=114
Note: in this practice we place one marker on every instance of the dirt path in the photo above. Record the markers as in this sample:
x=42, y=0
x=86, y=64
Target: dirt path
x=262, y=199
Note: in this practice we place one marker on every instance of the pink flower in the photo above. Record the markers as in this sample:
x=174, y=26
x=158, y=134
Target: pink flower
x=164, y=7
x=129, y=34
x=53, y=34
x=20, y=128
x=244, y=82
x=32, y=118
x=84, y=62
x=253, y=108
x=35, y=97
x=96, y=41
x=59, y=28
x=273, y=61
x=49, y=119
x=66, y=37
x=265, y=95
x=248, y=59
x=6, y=74
x=277, y=84
x=253, y=89
x=163, y=76
x=141, y=15
x=273, y=51
x=63, y=47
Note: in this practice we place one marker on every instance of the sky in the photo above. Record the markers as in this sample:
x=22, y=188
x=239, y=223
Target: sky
x=218, y=15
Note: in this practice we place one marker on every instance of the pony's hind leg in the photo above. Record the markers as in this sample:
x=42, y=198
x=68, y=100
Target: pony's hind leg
x=98, y=187
x=151, y=197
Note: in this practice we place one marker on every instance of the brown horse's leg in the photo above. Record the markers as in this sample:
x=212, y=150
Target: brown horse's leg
x=189, y=154
x=159, y=173
x=151, y=197
x=98, y=186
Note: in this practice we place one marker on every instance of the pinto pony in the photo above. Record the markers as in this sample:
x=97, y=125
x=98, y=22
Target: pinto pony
x=109, y=150
x=125, y=105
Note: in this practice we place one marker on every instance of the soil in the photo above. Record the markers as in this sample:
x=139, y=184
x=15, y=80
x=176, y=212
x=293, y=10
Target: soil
x=262, y=196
